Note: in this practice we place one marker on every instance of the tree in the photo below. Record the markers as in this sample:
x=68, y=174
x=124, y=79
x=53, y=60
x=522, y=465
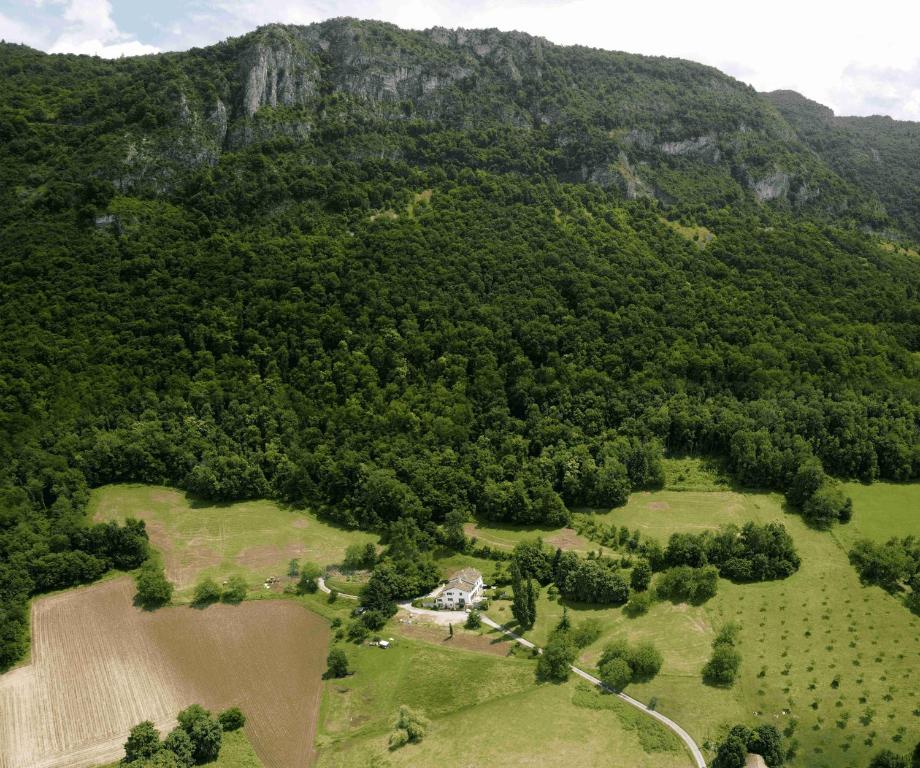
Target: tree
x=641, y=576
x=888, y=759
x=143, y=742
x=235, y=590
x=337, y=663
x=373, y=620
x=473, y=620
x=153, y=589
x=915, y=757
x=232, y=719
x=180, y=744
x=732, y=753
x=722, y=666
x=309, y=573
x=766, y=741
x=827, y=505
x=293, y=568
x=203, y=730
x=554, y=663
x=207, y=591
x=333, y=595
x=615, y=673
x=354, y=557
x=644, y=661
x=522, y=594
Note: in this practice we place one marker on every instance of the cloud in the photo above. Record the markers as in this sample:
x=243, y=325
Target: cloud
x=89, y=28
x=865, y=90
x=15, y=31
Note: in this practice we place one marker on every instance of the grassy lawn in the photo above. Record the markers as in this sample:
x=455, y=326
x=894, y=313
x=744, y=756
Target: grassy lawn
x=883, y=510
x=797, y=636
x=483, y=710
x=255, y=539
x=235, y=752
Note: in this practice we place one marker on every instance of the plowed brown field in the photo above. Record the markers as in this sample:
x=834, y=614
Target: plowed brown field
x=100, y=665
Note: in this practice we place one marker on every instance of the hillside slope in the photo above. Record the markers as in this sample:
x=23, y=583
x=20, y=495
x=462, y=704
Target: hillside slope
x=405, y=277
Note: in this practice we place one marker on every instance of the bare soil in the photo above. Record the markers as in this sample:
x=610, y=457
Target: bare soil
x=100, y=666
x=468, y=641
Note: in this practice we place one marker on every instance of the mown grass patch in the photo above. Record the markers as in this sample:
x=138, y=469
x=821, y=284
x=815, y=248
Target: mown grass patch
x=255, y=539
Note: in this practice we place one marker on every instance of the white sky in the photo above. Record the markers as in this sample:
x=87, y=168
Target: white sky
x=856, y=57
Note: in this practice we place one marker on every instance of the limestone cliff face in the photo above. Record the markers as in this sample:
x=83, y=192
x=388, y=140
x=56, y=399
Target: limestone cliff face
x=620, y=121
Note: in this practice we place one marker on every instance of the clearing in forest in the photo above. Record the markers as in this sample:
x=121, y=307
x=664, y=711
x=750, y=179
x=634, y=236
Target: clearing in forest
x=100, y=666
x=256, y=539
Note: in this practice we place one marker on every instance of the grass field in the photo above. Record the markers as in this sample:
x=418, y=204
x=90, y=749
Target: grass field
x=100, y=666
x=484, y=709
x=883, y=510
x=797, y=636
x=255, y=539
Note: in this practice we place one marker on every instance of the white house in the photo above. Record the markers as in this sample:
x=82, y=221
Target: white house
x=462, y=590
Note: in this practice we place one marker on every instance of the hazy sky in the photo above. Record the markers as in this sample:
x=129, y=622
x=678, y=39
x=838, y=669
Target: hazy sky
x=857, y=57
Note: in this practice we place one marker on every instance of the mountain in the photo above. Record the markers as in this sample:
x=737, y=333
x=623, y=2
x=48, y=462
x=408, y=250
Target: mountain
x=648, y=126
x=409, y=277
x=877, y=154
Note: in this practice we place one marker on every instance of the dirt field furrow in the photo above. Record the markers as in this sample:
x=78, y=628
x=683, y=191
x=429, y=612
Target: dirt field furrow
x=100, y=666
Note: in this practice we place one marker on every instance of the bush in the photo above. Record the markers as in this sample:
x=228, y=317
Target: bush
x=410, y=727
x=180, y=744
x=143, y=742
x=554, y=663
x=687, y=584
x=153, y=589
x=203, y=730
x=357, y=631
x=723, y=665
x=337, y=663
x=232, y=719
x=621, y=663
x=473, y=620
x=639, y=604
x=235, y=591
x=615, y=674
x=309, y=573
x=207, y=591
x=373, y=620
x=586, y=632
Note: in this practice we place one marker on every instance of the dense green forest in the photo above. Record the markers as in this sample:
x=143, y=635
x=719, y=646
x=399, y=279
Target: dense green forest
x=498, y=283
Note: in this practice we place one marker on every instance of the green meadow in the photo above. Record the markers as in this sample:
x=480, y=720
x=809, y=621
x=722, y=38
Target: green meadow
x=832, y=663
x=255, y=539
x=484, y=709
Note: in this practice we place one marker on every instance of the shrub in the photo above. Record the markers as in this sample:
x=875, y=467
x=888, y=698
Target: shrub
x=586, y=632
x=232, y=719
x=143, y=742
x=207, y=591
x=357, y=631
x=153, y=589
x=373, y=620
x=410, y=727
x=554, y=663
x=180, y=744
x=473, y=620
x=203, y=730
x=337, y=663
x=639, y=604
x=236, y=589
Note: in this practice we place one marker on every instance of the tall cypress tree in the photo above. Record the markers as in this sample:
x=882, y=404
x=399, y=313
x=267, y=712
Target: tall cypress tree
x=521, y=602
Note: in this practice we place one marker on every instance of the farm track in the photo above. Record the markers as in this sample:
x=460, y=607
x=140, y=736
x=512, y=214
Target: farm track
x=100, y=666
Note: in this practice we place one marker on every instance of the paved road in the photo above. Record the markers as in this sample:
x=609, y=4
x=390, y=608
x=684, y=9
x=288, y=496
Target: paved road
x=666, y=721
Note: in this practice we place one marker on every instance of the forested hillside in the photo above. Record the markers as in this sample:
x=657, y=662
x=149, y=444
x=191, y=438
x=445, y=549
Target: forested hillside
x=398, y=275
